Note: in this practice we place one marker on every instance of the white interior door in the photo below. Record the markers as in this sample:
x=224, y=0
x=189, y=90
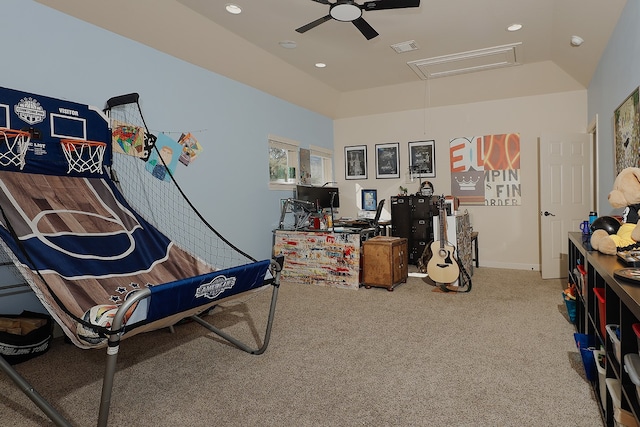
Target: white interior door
x=566, y=196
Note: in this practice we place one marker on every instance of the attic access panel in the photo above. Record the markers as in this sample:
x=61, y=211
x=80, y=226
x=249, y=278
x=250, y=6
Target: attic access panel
x=468, y=62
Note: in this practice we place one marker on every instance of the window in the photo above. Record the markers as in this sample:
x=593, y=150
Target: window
x=283, y=162
x=321, y=165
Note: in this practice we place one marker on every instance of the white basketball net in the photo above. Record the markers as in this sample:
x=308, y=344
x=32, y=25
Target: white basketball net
x=83, y=156
x=13, y=147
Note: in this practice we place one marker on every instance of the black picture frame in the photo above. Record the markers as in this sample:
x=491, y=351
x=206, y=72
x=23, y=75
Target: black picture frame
x=388, y=160
x=422, y=159
x=626, y=133
x=355, y=162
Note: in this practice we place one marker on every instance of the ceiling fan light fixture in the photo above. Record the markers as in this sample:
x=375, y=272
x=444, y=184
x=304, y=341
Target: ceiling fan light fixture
x=345, y=12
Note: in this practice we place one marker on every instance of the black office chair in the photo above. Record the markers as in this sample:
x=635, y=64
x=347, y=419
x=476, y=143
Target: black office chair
x=374, y=228
x=376, y=219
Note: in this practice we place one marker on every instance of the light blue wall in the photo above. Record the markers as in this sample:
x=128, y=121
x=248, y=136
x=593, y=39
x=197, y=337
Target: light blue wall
x=59, y=56
x=617, y=75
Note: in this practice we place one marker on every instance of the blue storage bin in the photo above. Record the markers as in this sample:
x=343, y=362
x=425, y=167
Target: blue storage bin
x=585, y=344
x=571, y=307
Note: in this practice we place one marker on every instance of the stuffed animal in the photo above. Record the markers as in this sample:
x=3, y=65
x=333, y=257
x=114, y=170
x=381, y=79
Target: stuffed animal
x=625, y=194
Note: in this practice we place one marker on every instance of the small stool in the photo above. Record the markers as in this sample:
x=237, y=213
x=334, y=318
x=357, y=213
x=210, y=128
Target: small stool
x=474, y=243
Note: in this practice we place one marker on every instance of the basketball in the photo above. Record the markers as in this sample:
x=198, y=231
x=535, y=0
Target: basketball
x=100, y=315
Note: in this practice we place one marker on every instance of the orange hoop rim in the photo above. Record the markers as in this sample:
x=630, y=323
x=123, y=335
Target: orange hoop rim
x=14, y=132
x=83, y=142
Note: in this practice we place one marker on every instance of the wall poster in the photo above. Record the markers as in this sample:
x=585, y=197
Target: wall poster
x=422, y=159
x=485, y=170
x=388, y=160
x=627, y=133
x=355, y=162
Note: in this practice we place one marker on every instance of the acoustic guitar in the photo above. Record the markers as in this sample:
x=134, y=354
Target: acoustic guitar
x=442, y=267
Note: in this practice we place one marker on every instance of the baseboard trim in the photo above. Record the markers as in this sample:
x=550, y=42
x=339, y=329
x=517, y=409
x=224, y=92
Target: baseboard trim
x=512, y=266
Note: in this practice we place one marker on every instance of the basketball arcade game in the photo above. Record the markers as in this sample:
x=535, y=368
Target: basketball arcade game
x=102, y=270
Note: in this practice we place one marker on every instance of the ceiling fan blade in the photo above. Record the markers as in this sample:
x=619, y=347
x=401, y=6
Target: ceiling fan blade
x=322, y=1
x=389, y=4
x=364, y=27
x=313, y=24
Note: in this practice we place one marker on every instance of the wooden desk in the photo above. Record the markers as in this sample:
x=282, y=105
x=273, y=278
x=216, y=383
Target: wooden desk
x=361, y=223
x=320, y=257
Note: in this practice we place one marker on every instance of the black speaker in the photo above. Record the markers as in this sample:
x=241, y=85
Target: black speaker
x=400, y=212
x=416, y=251
x=421, y=206
x=421, y=229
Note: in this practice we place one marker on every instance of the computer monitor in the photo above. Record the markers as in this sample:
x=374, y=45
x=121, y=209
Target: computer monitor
x=319, y=196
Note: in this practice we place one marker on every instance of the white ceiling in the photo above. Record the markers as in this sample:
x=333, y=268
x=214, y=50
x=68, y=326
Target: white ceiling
x=246, y=47
x=439, y=27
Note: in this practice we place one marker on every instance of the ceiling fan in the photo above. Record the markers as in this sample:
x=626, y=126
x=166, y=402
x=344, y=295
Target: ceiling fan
x=350, y=11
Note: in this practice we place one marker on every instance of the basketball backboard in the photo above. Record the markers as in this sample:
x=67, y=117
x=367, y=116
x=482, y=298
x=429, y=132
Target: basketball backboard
x=49, y=121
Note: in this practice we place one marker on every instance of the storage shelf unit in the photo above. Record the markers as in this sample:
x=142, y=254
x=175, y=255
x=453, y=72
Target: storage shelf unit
x=622, y=307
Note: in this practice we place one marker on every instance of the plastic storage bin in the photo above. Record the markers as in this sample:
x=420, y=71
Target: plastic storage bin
x=623, y=418
x=614, y=335
x=636, y=330
x=585, y=345
x=632, y=366
x=602, y=315
x=600, y=359
x=582, y=279
x=571, y=307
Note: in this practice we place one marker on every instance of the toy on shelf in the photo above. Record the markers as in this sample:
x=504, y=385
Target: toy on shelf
x=625, y=194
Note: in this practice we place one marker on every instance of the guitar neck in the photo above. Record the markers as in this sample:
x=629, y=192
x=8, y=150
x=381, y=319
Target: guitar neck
x=443, y=218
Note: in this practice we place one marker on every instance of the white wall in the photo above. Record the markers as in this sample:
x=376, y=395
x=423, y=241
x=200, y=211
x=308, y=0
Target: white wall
x=615, y=78
x=509, y=236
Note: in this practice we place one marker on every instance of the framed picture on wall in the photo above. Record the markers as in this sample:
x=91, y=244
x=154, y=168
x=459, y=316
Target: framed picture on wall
x=627, y=133
x=422, y=159
x=369, y=200
x=388, y=160
x=355, y=162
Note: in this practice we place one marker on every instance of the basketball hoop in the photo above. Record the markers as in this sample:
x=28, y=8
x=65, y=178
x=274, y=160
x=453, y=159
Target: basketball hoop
x=83, y=155
x=13, y=146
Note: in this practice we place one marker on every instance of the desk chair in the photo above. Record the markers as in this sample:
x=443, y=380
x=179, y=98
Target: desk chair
x=374, y=227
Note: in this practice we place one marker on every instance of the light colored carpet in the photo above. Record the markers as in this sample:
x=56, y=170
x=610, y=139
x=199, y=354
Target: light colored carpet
x=501, y=355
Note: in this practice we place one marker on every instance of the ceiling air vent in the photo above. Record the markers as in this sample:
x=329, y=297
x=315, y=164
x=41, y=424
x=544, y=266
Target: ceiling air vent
x=468, y=62
x=405, y=46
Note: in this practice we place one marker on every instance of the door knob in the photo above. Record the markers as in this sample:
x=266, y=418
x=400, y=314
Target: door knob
x=548, y=213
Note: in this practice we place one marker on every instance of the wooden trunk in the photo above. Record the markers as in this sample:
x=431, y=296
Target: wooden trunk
x=385, y=262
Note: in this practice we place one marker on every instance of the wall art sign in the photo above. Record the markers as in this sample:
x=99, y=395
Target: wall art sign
x=485, y=170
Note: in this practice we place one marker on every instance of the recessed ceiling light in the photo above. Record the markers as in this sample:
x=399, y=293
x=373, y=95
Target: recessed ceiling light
x=514, y=27
x=320, y=65
x=576, y=41
x=233, y=9
x=288, y=44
